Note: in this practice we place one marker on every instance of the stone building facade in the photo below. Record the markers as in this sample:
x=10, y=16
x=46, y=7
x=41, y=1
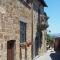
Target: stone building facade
x=20, y=23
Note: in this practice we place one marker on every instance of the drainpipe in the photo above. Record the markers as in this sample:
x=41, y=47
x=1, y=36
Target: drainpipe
x=32, y=29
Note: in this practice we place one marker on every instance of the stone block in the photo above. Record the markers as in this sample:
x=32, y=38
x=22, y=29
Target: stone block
x=6, y=37
x=17, y=31
x=15, y=21
x=1, y=35
x=2, y=24
x=3, y=29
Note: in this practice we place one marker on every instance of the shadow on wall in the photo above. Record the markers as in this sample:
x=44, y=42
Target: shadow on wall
x=38, y=42
x=38, y=39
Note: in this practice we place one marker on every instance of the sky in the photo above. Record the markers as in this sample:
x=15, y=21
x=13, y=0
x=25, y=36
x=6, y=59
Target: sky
x=53, y=12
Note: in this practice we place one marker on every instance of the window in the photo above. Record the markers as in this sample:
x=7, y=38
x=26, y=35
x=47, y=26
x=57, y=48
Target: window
x=42, y=9
x=22, y=32
x=38, y=10
x=35, y=7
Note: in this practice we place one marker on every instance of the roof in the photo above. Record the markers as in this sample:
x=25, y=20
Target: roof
x=43, y=2
x=56, y=36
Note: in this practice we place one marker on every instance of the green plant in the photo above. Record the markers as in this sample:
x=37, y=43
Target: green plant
x=49, y=39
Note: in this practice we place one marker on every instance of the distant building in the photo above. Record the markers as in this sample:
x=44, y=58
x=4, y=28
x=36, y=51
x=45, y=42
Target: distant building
x=57, y=37
x=23, y=26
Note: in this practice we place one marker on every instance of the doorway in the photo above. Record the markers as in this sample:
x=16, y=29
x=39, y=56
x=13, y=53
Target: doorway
x=10, y=49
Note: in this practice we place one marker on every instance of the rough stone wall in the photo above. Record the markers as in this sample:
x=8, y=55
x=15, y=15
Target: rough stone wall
x=11, y=13
x=41, y=50
x=35, y=20
x=43, y=47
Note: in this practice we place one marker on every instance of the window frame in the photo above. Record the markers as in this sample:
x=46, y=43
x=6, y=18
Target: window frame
x=22, y=31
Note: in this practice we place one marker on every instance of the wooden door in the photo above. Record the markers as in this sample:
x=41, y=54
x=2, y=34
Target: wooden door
x=10, y=50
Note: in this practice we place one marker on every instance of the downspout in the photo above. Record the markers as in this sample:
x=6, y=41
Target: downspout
x=32, y=29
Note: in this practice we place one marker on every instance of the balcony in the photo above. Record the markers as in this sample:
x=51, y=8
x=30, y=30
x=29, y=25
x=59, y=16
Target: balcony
x=44, y=25
x=43, y=21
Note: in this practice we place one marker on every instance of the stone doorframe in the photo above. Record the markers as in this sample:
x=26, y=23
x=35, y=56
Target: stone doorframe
x=11, y=49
